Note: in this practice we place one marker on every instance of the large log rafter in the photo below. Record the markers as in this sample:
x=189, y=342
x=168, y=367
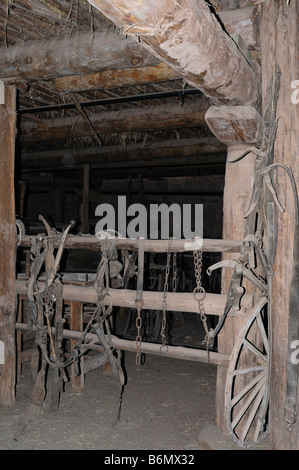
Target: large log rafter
x=148, y=118
x=83, y=53
x=131, y=154
x=190, y=39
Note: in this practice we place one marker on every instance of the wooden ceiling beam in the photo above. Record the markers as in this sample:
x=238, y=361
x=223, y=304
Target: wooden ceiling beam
x=131, y=154
x=153, y=117
x=116, y=78
x=188, y=37
x=241, y=21
x=104, y=59
x=83, y=53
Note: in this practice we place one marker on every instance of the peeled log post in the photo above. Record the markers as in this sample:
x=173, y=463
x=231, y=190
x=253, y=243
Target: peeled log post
x=190, y=40
x=8, y=294
x=280, y=48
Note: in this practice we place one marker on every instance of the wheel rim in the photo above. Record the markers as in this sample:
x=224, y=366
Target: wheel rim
x=247, y=385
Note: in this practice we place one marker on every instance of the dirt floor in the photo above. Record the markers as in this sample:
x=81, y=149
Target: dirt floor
x=165, y=404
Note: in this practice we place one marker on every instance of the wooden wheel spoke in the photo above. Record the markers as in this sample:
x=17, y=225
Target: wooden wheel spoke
x=248, y=402
x=257, y=379
x=248, y=370
x=263, y=332
x=255, y=405
x=247, y=392
x=255, y=350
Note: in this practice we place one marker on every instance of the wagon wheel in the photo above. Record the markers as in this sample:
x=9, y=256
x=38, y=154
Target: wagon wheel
x=247, y=385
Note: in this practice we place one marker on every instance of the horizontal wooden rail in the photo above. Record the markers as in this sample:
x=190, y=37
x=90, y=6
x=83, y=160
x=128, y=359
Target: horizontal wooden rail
x=91, y=242
x=175, y=352
x=176, y=301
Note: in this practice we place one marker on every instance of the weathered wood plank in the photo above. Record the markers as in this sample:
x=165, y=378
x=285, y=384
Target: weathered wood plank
x=7, y=247
x=168, y=29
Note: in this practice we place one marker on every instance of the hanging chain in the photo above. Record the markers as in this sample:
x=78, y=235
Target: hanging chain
x=165, y=291
x=199, y=294
x=138, y=336
x=139, y=301
x=174, y=273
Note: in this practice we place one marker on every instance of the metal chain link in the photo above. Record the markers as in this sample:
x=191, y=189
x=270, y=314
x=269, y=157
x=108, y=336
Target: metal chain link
x=138, y=336
x=165, y=291
x=139, y=301
x=199, y=293
x=174, y=272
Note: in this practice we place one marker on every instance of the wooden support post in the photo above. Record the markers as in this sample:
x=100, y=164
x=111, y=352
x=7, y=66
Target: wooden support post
x=7, y=248
x=280, y=45
x=239, y=127
x=238, y=183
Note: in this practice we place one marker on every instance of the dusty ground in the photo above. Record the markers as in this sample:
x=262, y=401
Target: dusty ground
x=166, y=403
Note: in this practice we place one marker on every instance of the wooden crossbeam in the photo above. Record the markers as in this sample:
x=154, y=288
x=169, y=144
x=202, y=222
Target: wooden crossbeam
x=175, y=352
x=176, y=301
x=146, y=118
x=108, y=156
x=92, y=242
